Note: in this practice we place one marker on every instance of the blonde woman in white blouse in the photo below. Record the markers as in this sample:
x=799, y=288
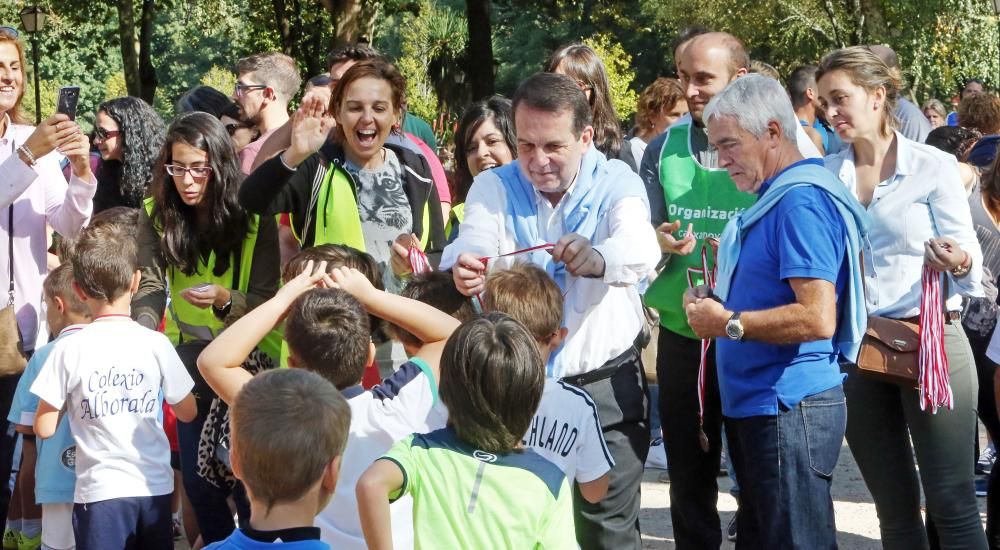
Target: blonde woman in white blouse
x=33, y=189
x=920, y=216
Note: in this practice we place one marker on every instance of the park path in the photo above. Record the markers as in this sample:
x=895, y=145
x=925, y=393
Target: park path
x=857, y=524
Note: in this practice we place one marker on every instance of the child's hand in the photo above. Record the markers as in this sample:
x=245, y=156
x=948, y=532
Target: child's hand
x=353, y=282
x=310, y=278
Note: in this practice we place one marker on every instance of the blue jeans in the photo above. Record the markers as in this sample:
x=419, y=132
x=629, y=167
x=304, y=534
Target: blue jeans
x=785, y=466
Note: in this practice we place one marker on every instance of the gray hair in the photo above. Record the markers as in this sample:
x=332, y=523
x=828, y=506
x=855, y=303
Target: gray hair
x=754, y=101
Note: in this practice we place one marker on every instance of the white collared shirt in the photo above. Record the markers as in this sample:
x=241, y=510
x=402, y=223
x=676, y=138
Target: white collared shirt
x=924, y=199
x=603, y=315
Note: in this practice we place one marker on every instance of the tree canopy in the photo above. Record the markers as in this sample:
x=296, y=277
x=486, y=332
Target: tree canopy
x=157, y=49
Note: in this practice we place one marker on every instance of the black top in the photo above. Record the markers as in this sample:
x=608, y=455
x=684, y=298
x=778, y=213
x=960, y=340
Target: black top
x=274, y=189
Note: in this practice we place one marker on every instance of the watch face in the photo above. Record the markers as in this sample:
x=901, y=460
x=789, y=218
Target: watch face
x=733, y=330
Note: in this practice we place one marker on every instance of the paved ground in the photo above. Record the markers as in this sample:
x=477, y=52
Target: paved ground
x=857, y=525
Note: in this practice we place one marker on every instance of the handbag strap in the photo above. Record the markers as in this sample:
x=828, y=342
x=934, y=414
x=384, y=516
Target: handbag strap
x=10, y=242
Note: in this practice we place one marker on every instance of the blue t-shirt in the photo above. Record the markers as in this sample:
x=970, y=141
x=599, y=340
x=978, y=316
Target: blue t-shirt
x=239, y=541
x=55, y=470
x=803, y=236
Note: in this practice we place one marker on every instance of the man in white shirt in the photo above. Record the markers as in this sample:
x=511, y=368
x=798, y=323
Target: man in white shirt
x=589, y=219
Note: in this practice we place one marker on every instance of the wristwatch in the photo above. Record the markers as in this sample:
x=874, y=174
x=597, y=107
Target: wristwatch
x=734, y=328
x=963, y=268
x=222, y=312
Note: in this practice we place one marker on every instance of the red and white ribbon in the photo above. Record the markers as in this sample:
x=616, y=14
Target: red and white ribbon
x=477, y=300
x=935, y=386
x=418, y=261
x=709, y=279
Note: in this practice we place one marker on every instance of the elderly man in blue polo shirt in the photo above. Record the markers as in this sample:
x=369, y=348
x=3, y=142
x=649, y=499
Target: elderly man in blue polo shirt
x=788, y=302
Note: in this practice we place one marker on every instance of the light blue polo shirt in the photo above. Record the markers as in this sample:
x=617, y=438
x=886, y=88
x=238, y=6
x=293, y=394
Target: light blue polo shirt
x=803, y=236
x=55, y=470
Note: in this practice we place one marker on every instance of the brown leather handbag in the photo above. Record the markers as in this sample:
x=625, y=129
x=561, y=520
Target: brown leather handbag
x=890, y=352
x=890, y=349
x=12, y=358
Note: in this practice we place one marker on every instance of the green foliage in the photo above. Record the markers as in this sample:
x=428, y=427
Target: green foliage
x=939, y=42
x=219, y=78
x=620, y=74
x=429, y=49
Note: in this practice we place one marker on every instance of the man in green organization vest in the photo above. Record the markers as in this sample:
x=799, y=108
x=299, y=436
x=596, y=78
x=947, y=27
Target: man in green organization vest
x=691, y=200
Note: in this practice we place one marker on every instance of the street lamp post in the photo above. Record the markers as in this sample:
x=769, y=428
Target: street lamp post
x=33, y=19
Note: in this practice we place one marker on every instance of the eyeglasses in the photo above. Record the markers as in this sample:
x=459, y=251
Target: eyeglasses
x=243, y=89
x=232, y=127
x=196, y=171
x=104, y=135
x=11, y=32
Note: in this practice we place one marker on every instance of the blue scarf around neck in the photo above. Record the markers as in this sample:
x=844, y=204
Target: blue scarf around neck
x=856, y=220
x=599, y=185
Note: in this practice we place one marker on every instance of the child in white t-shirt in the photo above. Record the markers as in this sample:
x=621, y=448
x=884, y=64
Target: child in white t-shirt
x=110, y=378
x=327, y=331
x=54, y=471
x=566, y=429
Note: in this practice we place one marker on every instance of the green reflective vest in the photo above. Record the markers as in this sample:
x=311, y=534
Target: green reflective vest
x=706, y=198
x=337, y=218
x=188, y=322
x=455, y=219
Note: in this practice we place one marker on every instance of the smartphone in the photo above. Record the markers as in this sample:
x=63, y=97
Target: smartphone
x=199, y=287
x=69, y=96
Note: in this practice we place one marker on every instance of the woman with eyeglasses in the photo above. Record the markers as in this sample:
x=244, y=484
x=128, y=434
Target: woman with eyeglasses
x=128, y=134
x=217, y=262
x=581, y=63
x=33, y=194
x=359, y=190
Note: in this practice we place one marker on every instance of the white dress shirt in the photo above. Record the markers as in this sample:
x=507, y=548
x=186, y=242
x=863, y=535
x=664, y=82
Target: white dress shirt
x=603, y=315
x=40, y=195
x=924, y=199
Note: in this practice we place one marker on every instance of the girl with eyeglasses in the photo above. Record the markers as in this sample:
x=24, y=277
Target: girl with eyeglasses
x=216, y=262
x=33, y=194
x=128, y=134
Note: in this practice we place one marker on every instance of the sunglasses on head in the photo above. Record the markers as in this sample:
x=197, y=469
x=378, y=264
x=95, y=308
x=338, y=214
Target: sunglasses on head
x=11, y=32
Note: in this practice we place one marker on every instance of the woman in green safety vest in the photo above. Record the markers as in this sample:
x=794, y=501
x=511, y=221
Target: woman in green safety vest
x=355, y=190
x=484, y=140
x=216, y=262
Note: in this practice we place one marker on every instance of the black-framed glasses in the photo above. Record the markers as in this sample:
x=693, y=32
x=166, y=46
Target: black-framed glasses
x=10, y=31
x=195, y=171
x=104, y=135
x=243, y=89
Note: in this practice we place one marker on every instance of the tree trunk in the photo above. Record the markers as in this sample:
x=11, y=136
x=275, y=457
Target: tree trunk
x=147, y=72
x=480, y=48
x=130, y=54
x=281, y=17
x=348, y=20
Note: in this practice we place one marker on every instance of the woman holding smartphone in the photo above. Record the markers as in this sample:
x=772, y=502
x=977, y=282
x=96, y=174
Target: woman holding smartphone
x=217, y=262
x=33, y=194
